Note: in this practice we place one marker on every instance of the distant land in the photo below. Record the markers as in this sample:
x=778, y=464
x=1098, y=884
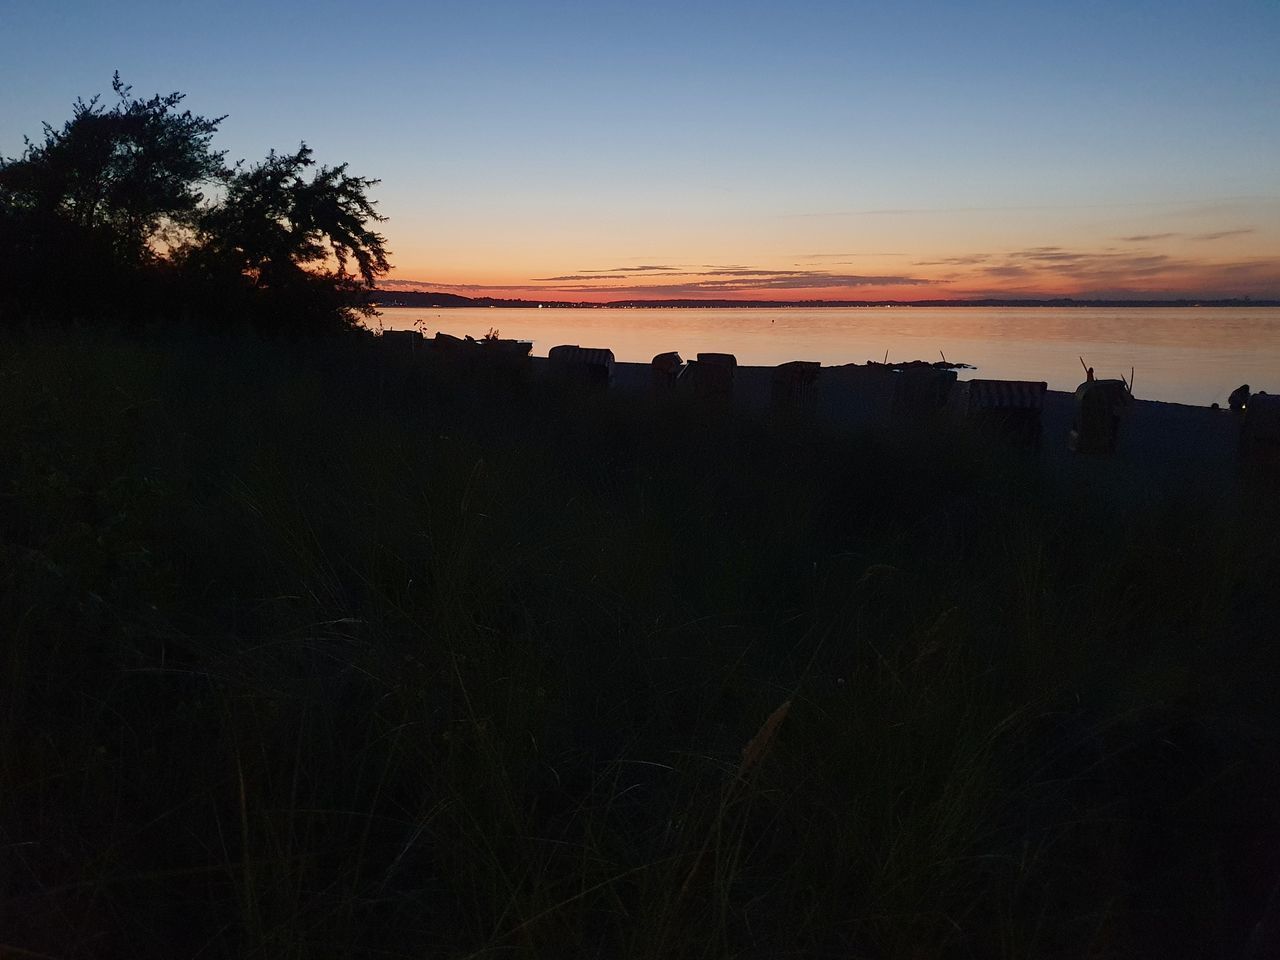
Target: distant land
x=398, y=298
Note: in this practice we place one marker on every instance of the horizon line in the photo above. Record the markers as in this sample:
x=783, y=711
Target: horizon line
x=730, y=302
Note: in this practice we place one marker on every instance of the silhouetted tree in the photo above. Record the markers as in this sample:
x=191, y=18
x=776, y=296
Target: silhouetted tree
x=304, y=244
x=108, y=217
x=133, y=173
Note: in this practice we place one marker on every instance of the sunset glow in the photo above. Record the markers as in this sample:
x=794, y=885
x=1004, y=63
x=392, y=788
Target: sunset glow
x=819, y=151
x=1220, y=249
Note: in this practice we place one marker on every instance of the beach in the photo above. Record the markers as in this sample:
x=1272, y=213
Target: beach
x=1160, y=442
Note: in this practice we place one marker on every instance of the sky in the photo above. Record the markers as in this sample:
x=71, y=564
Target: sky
x=789, y=151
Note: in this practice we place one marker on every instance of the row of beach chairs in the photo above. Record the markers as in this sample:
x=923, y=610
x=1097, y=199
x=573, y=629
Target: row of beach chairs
x=914, y=390
x=1010, y=409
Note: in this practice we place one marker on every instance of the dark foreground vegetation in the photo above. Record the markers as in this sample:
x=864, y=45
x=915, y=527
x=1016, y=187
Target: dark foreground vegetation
x=305, y=655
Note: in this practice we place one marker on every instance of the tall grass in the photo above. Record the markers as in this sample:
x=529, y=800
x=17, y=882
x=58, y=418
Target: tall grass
x=309, y=655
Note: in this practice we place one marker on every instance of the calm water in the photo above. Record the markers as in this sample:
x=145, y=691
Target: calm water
x=1186, y=354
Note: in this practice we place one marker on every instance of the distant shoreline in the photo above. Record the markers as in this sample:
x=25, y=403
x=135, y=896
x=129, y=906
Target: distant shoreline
x=444, y=301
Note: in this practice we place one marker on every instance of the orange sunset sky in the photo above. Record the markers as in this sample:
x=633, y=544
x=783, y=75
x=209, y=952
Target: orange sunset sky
x=815, y=149
x=1222, y=248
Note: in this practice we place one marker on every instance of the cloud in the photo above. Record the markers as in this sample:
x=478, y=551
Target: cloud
x=644, y=269
x=1145, y=237
x=1052, y=255
x=797, y=280
x=407, y=285
x=967, y=260
x=748, y=280
x=1224, y=233
x=431, y=286
x=579, y=276
x=837, y=256
x=610, y=273
x=749, y=272
x=1007, y=270
x=1036, y=271
x=1056, y=263
x=712, y=281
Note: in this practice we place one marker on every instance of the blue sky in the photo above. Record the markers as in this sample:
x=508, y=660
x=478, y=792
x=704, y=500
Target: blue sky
x=521, y=141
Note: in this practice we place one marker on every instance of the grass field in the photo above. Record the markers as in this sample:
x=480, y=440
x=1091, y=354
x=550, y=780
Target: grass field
x=309, y=655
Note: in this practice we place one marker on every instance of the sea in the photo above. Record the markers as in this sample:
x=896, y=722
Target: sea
x=1191, y=355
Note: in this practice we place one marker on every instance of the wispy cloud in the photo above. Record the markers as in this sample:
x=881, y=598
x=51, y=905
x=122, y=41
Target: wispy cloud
x=409, y=285
x=717, y=282
x=430, y=286
x=641, y=269
x=727, y=280
x=1032, y=271
x=1224, y=233
x=1037, y=270
x=1007, y=271
x=966, y=260
x=1054, y=255
x=753, y=272
x=841, y=256
x=611, y=273
x=644, y=269
x=796, y=280
x=579, y=276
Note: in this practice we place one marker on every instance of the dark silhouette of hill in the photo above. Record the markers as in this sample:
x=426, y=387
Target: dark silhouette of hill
x=407, y=298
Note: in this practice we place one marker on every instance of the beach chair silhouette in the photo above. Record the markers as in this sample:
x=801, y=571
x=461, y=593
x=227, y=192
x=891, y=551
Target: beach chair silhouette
x=713, y=375
x=1260, y=431
x=505, y=362
x=665, y=370
x=1009, y=408
x=405, y=342
x=921, y=391
x=1099, y=409
x=447, y=345
x=792, y=386
x=583, y=367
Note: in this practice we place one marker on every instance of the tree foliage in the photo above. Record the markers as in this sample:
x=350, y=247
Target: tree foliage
x=275, y=222
x=135, y=172
x=135, y=204
x=294, y=239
